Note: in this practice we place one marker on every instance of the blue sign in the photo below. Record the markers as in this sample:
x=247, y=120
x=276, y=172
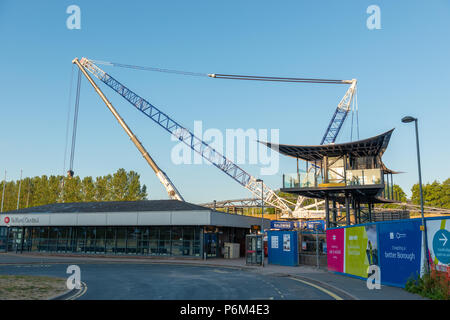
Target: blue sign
x=313, y=225
x=282, y=225
x=399, y=251
x=441, y=246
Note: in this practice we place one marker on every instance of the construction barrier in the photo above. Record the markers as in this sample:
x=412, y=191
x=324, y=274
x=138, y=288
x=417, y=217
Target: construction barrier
x=394, y=246
x=283, y=247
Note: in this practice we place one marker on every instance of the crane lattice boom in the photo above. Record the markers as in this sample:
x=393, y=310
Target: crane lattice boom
x=187, y=137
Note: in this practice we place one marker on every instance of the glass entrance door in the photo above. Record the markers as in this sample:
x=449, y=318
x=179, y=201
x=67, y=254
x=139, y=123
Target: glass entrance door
x=211, y=246
x=3, y=238
x=14, y=242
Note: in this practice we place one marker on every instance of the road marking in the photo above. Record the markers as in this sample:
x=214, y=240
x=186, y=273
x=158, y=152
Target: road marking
x=275, y=288
x=82, y=291
x=220, y=271
x=328, y=292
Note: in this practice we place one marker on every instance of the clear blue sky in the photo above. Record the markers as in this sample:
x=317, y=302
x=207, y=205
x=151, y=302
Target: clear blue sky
x=402, y=69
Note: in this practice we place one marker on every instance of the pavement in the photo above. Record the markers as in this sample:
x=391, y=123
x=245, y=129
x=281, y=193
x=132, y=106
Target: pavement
x=326, y=284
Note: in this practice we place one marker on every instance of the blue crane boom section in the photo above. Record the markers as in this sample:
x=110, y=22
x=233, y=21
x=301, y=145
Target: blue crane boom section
x=173, y=127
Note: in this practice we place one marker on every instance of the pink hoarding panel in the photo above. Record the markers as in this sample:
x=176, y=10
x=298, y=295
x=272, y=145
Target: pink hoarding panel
x=335, y=249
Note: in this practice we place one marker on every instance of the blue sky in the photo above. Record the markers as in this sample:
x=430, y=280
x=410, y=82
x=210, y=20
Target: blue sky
x=402, y=69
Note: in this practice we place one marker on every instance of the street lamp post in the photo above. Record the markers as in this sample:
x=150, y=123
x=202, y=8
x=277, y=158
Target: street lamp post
x=262, y=219
x=409, y=119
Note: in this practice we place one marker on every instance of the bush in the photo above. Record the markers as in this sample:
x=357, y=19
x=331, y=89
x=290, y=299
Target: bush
x=435, y=286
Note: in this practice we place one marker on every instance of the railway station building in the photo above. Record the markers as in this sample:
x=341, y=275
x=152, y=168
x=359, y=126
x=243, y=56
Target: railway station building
x=147, y=228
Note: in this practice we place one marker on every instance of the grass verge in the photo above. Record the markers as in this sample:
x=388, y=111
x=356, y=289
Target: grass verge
x=14, y=287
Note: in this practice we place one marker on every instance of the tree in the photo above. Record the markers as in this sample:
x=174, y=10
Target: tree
x=36, y=191
x=434, y=195
x=119, y=185
x=399, y=194
x=88, y=189
x=102, y=188
x=73, y=190
x=134, y=190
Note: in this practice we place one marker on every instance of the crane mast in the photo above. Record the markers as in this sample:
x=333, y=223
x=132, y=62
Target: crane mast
x=340, y=114
x=163, y=178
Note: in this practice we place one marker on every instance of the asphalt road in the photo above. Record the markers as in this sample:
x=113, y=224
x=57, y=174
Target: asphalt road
x=110, y=281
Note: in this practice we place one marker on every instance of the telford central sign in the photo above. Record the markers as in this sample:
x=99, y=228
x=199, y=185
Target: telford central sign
x=20, y=220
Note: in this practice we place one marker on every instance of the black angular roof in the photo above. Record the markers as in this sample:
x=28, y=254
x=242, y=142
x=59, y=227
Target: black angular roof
x=113, y=206
x=369, y=147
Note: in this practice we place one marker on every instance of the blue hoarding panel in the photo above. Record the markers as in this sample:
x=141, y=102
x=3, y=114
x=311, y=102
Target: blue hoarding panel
x=282, y=247
x=400, y=251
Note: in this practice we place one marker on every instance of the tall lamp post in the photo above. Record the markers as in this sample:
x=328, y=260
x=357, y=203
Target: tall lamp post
x=262, y=219
x=409, y=119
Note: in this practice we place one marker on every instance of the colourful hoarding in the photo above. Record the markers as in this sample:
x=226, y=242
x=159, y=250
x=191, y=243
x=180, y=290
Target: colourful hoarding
x=438, y=240
x=400, y=251
x=335, y=249
x=361, y=249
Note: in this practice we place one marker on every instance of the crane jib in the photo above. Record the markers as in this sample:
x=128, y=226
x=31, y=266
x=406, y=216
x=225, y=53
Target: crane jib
x=210, y=154
x=179, y=131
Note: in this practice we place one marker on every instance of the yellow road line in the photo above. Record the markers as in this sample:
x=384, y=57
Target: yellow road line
x=328, y=292
x=79, y=294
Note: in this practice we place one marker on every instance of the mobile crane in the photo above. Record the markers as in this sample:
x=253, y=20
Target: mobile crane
x=217, y=159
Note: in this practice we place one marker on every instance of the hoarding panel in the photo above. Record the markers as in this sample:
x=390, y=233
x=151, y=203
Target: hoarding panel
x=400, y=251
x=438, y=240
x=361, y=249
x=335, y=245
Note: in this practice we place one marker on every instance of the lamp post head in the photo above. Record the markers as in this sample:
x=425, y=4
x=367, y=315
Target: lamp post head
x=259, y=180
x=408, y=119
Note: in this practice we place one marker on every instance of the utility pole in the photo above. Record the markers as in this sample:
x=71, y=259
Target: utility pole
x=423, y=227
x=3, y=193
x=18, y=194
x=262, y=220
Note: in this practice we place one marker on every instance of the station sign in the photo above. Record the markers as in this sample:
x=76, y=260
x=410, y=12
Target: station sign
x=312, y=225
x=282, y=225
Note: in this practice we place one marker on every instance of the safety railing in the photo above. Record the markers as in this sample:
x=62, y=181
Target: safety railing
x=350, y=178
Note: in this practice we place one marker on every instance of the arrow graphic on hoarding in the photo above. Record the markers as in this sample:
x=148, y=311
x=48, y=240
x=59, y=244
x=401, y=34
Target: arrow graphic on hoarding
x=443, y=239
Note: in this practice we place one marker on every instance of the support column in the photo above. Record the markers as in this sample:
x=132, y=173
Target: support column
x=334, y=213
x=22, y=239
x=355, y=211
x=325, y=169
x=392, y=187
x=347, y=209
x=369, y=207
x=358, y=208
x=327, y=211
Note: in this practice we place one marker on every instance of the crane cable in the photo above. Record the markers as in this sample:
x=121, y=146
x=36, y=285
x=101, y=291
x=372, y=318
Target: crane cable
x=69, y=109
x=129, y=66
x=223, y=76
x=355, y=111
x=75, y=122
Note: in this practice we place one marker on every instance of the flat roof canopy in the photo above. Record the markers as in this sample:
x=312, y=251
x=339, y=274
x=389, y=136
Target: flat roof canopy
x=113, y=206
x=369, y=147
x=126, y=213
